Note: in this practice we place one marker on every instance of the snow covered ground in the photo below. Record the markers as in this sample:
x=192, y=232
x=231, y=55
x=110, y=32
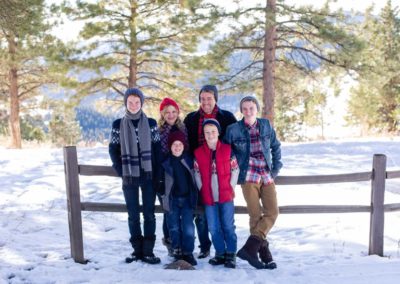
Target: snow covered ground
x=309, y=248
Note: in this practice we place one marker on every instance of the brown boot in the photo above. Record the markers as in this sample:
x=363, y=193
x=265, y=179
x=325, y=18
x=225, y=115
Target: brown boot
x=249, y=252
x=266, y=256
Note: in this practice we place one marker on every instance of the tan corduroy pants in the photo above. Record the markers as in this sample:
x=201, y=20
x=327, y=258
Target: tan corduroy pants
x=262, y=216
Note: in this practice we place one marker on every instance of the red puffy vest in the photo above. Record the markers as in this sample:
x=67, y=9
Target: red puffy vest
x=203, y=156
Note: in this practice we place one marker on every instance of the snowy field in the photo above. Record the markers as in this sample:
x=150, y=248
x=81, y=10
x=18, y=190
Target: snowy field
x=308, y=248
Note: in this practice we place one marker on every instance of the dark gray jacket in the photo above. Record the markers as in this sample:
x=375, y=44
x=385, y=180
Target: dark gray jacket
x=187, y=162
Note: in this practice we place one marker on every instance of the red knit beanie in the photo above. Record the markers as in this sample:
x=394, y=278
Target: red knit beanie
x=168, y=102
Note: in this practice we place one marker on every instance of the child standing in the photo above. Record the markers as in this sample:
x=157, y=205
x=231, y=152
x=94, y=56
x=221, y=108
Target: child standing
x=216, y=174
x=134, y=150
x=180, y=197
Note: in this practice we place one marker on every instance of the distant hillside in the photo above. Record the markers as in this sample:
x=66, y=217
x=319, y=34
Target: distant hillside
x=95, y=126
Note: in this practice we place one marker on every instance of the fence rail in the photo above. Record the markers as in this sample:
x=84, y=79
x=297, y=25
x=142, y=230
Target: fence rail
x=377, y=176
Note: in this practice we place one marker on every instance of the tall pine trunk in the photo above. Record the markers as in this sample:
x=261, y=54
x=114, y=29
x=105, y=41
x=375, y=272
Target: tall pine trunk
x=269, y=61
x=14, y=122
x=132, y=79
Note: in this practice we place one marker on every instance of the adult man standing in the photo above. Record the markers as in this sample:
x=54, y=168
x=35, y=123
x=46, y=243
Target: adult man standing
x=258, y=153
x=208, y=98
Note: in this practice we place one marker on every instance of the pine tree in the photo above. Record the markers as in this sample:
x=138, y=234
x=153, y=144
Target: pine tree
x=375, y=102
x=64, y=128
x=25, y=46
x=148, y=44
x=278, y=39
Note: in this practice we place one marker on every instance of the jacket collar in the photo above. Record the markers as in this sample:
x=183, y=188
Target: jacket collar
x=208, y=150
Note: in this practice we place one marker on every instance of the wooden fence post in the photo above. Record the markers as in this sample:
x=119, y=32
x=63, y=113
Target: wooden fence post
x=73, y=203
x=377, y=220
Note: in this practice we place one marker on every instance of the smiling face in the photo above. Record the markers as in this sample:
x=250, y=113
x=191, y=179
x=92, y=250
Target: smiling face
x=170, y=114
x=249, y=111
x=133, y=104
x=211, y=135
x=207, y=102
x=177, y=148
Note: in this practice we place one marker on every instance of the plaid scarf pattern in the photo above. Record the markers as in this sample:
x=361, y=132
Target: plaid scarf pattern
x=165, y=129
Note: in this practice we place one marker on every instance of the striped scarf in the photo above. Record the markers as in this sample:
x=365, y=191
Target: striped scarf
x=203, y=115
x=132, y=160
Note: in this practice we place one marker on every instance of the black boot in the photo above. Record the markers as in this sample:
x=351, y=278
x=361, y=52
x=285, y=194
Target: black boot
x=230, y=260
x=167, y=243
x=137, y=254
x=217, y=260
x=249, y=252
x=266, y=256
x=203, y=254
x=177, y=253
x=189, y=258
x=148, y=255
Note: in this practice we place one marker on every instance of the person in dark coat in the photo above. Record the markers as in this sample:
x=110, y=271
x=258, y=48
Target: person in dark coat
x=208, y=97
x=169, y=122
x=180, y=198
x=134, y=149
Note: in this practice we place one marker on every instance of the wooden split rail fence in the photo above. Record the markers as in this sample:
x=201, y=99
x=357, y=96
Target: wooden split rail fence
x=377, y=176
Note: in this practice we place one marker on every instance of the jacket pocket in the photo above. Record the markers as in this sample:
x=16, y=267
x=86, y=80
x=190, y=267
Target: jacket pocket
x=239, y=144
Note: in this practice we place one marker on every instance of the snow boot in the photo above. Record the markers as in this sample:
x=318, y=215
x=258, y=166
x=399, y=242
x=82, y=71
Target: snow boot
x=167, y=243
x=266, y=256
x=177, y=253
x=137, y=254
x=189, y=258
x=230, y=260
x=203, y=254
x=148, y=255
x=217, y=260
x=249, y=252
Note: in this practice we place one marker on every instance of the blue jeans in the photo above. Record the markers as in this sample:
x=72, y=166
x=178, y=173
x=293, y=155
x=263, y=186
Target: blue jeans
x=221, y=223
x=131, y=194
x=180, y=224
x=202, y=231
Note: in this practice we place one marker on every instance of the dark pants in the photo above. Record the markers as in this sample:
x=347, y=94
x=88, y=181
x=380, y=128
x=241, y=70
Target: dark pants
x=180, y=224
x=131, y=194
x=202, y=231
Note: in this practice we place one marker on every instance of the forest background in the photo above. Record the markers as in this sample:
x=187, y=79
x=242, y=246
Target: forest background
x=320, y=71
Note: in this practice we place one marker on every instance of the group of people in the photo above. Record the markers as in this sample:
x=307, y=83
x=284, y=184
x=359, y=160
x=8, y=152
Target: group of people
x=193, y=166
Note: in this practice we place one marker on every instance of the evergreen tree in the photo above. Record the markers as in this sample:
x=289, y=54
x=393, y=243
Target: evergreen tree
x=375, y=102
x=279, y=40
x=32, y=128
x=63, y=127
x=25, y=46
x=148, y=44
